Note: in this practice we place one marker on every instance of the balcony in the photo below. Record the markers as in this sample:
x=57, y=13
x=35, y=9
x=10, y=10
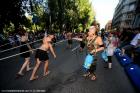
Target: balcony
x=128, y=2
x=132, y=1
x=127, y=18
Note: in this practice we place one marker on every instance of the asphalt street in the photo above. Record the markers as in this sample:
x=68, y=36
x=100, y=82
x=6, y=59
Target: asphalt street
x=65, y=74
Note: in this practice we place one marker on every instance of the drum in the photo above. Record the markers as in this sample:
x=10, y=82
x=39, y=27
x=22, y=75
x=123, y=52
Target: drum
x=104, y=56
x=88, y=61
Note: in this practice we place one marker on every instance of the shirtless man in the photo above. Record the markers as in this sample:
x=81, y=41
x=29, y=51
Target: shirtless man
x=42, y=56
x=69, y=37
x=94, y=44
x=24, y=48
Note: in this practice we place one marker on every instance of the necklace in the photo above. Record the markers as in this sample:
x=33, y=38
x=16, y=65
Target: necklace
x=90, y=40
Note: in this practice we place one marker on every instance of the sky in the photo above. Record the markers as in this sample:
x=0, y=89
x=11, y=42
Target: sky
x=104, y=10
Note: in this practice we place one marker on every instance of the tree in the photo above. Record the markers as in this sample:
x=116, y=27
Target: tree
x=11, y=11
x=57, y=15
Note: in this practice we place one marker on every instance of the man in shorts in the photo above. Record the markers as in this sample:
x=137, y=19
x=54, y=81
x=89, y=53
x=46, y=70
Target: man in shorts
x=42, y=56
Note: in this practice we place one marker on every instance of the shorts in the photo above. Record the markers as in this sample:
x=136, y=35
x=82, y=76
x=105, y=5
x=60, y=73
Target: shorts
x=24, y=48
x=92, y=68
x=82, y=44
x=69, y=41
x=42, y=55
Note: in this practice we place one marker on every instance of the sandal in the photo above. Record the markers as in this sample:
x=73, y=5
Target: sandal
x=86, y=75
x=19, y=75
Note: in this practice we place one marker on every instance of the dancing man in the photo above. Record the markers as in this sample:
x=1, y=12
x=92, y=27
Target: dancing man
x=24, y=49
x=42, y=56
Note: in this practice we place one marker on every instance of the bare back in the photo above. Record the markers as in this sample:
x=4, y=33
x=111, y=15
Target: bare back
x=69, y=36
x=46, y=44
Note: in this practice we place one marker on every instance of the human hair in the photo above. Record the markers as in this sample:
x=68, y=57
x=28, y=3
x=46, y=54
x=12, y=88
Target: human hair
x=22, y=31
x=96, y=30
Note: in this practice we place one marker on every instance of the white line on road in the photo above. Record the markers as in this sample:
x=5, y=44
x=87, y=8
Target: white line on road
x=75, y=48
x=27, y=51
x=60, y=42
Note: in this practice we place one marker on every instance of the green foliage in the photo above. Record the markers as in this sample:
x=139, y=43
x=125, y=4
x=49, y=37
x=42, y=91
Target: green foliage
x=11, y=11
x=65, y=15
x=55, y=15
x=86, y=13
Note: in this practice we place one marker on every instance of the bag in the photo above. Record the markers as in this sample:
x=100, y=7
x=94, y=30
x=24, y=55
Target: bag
x=110, y=50
x=88, y=61
x=104, y=56
x=89, y=58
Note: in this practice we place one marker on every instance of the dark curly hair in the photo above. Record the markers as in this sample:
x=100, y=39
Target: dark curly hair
x=22, y=31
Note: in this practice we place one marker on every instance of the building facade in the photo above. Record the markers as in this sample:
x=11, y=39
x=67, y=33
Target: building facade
x=108, y=26
x=126, y=14
x=136, y=22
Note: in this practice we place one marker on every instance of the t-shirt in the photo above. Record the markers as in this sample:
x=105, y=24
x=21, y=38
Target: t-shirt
x=135, y=39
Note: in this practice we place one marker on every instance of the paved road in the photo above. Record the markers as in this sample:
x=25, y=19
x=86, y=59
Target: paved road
x=66, y=75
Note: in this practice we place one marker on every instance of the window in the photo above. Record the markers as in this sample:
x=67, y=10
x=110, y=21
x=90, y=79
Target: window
x=131, y=7
x=126, y=1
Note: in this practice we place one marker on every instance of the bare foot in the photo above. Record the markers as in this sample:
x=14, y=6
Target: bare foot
x=46, y=73
x=34, y=78
x=93, y=77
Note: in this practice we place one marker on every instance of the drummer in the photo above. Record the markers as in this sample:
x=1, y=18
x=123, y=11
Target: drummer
x=94, y=44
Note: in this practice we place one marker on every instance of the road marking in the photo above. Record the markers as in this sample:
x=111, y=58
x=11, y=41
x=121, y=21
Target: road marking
x=75, y=48
x=27, y=51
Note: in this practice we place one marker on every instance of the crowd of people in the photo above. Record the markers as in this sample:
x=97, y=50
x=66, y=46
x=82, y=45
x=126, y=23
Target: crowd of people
x=128, y=41
x=12, y=39
x=130, y=44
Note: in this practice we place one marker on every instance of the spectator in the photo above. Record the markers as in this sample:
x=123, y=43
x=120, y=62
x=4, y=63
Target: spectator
x=110, y=47
x=128, y=49
x=126, y=37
